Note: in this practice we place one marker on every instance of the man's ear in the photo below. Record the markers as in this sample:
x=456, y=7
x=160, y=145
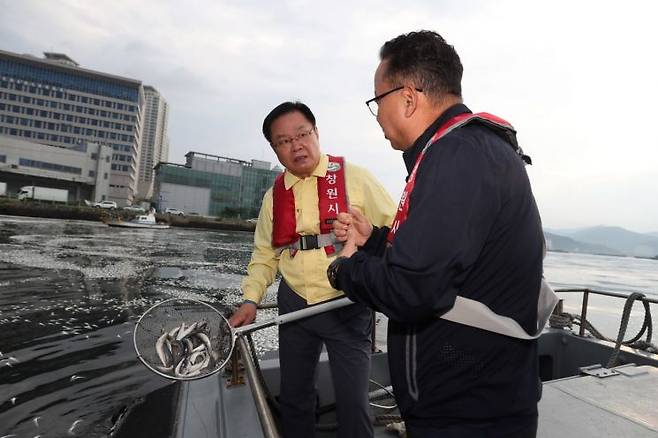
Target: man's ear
x=410, y=101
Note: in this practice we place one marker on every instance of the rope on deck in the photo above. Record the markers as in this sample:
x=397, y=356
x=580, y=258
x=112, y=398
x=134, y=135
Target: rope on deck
x=567, y=320
x=646, y=325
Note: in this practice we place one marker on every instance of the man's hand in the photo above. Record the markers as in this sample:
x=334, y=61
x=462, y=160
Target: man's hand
x=353, y=226
x=245, y=314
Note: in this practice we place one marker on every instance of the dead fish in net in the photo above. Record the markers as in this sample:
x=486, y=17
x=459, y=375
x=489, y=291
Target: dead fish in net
x=186, y=350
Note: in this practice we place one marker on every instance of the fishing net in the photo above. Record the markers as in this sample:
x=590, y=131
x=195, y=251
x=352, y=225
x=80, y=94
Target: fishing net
x=183, y=339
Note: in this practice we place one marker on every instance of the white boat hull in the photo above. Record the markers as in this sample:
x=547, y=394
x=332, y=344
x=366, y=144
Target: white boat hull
x=136, y=225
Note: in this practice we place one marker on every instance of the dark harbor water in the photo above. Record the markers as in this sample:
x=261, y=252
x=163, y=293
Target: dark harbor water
x=72, y=291
x=70, y=295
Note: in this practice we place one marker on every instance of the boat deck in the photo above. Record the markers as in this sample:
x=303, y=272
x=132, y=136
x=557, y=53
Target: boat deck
x=572, y=405
x=620, y=405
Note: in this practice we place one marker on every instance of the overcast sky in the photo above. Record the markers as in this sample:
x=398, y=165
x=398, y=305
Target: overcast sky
x=578, y=80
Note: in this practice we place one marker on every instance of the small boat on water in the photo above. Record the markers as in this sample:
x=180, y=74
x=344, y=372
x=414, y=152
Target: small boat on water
x=142, y=221
x=592, y=387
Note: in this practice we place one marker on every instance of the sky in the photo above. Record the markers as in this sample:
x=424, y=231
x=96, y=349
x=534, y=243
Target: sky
x=577, y=79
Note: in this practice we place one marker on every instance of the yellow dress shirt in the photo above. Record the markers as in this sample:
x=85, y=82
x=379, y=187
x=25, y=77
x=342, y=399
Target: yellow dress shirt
x=306, y=272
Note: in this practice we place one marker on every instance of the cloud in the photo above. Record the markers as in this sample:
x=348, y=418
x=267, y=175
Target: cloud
x=577, y=79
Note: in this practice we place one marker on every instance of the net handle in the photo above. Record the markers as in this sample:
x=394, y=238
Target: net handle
x=293, y=316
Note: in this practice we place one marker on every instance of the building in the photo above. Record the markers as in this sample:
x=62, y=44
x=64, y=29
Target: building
x=155, y=141
x=85, y=174
x=54, y=101
x=212, y=185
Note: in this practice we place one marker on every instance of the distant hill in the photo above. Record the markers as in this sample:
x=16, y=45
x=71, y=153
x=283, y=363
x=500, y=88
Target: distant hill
x=564, y=231
x=617, y=239
x=628, y=242
x=556, y=242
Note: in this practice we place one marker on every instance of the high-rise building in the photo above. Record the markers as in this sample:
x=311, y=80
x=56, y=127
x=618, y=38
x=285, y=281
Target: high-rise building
x=211, y=185
x=155, y=141
x=53, y=101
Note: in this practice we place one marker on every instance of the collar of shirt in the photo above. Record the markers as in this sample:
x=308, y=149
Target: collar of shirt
x=411, y=154
x=320, y=170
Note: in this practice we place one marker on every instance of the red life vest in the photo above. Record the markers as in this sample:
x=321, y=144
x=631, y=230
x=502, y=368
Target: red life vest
x=332, y=199
x=460, y=120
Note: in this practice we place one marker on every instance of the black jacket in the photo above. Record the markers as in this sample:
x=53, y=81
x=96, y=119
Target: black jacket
x=473, y=229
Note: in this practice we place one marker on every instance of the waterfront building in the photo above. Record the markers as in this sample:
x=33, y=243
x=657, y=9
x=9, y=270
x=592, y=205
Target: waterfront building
x=53, y=101
x=213, y=185
x=155, y=140
x=85, y=174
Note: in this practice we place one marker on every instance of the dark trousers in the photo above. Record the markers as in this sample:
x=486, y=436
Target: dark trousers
x=527, y=428
x=346, y=334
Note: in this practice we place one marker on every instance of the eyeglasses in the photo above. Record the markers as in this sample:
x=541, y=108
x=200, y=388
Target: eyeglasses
x=287, y=141
x=373, y=104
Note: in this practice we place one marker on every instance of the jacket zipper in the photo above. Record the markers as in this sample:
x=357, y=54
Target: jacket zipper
x=410, y=362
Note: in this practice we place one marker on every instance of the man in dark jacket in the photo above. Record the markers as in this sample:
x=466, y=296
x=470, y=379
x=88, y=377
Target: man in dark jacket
x=467, y=228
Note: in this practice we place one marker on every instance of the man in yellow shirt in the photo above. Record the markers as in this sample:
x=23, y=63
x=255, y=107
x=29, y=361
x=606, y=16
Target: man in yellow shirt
x=294, y=236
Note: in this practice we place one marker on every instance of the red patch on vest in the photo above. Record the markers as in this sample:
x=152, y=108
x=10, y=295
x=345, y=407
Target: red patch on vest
x=332, y=199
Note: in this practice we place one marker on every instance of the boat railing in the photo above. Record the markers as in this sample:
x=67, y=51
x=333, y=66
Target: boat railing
x=585, y=301
x=258, y=390
x=373, y=333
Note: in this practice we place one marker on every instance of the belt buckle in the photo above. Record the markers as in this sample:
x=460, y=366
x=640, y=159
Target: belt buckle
x=309, y=241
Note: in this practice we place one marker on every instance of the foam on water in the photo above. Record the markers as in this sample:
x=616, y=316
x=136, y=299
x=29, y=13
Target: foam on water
x=70, y=295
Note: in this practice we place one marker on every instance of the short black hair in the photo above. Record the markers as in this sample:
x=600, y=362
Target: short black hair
x=282, y=109
x=425, y=59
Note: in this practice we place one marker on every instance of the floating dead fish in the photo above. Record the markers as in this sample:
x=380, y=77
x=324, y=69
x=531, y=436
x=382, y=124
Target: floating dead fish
x=72, y=428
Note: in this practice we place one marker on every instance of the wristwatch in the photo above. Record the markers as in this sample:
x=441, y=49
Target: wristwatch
x=332, y=271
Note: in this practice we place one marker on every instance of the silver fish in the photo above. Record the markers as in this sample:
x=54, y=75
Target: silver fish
x=185, y=350
x=163, y=350
x=185, y=331
x=72, y=428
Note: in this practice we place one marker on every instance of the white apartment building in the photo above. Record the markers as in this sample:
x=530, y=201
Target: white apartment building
x=155, y=141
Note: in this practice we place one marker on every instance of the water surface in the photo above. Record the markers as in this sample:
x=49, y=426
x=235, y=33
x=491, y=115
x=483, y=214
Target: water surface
x=70, y=295
x=72, y=291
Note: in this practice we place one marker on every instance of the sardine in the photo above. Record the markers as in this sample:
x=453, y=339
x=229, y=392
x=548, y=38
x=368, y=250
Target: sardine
x=185, y=331
x=72, y=428
x=185, y=350
x=206, y=341
x=164, y=353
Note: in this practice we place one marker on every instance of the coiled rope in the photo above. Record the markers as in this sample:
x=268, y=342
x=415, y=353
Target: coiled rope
x=567, y=320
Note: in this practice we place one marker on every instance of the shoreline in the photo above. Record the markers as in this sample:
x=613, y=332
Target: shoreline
x=13, y=207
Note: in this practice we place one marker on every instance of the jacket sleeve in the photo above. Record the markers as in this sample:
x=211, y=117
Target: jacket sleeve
x=452, y=209
x=376, y=243
x=264, y=263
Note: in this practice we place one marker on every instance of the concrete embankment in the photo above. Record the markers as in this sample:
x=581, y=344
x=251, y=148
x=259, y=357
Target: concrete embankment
x=67, y=211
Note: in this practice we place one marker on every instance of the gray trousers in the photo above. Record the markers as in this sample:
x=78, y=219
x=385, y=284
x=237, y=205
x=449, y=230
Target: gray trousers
x=346, y=334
